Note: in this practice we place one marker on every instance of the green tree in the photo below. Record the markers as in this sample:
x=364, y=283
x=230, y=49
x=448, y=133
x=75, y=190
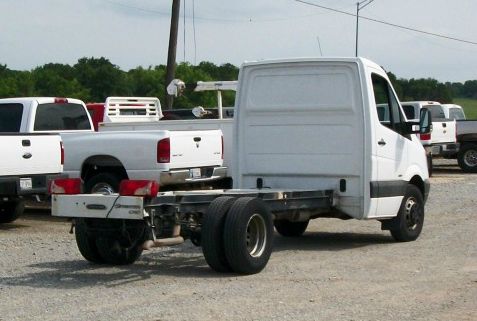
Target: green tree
x=102, y=78
x=58, y=81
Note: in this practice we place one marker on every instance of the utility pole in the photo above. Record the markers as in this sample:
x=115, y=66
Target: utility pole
x=171, y=56
x=359, y=6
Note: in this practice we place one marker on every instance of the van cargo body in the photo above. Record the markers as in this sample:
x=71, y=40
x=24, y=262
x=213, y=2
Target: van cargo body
x=308, y=143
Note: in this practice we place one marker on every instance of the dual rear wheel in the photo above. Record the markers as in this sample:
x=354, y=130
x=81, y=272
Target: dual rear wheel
x=115, y=242
x=237, y=235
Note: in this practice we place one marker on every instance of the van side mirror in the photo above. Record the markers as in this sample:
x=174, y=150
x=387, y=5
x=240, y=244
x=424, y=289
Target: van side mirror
x=425, y=122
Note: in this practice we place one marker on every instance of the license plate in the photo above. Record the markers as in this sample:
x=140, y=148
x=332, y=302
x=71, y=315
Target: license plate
x=195, y=173
x=25, y=184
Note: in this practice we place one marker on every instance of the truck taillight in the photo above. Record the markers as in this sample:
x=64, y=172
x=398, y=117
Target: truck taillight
x=61, y=100
x=425, y=136
x=62, y=148
x=65, y=186
x=138, y=188
x=164, y=151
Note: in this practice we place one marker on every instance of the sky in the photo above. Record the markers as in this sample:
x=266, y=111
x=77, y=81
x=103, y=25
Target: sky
x=132, y=33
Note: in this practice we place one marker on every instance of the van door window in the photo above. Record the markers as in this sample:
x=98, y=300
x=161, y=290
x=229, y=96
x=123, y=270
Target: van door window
x=387, y=105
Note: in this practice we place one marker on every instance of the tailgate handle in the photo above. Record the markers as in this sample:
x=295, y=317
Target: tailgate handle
x=26, y=142
x=197, y=139
x=27, y=155
x=382, y=142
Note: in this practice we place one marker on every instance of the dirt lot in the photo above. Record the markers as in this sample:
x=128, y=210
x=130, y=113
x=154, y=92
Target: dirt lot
x=339, y=270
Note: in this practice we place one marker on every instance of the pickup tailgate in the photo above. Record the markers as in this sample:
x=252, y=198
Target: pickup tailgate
x=443, y=132
x=30, y=154
x=190, y=149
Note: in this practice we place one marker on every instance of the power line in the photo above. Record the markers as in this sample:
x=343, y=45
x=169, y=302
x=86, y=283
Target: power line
x=243, y=20
x=388, y=23
x=193, y=27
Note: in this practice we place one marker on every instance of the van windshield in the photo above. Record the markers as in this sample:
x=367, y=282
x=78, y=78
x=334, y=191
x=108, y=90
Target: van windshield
x=10, y=118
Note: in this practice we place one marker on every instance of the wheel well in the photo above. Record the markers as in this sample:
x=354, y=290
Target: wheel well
x=101, y=164
x=418, y=182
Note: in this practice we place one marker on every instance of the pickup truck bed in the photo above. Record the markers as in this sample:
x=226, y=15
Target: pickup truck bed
x=28, y=163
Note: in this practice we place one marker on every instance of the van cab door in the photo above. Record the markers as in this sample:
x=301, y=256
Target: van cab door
x=390, y=149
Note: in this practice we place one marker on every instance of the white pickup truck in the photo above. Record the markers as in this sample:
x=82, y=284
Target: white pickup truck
x=102, y=159
x=442, y=139
x=27, y=163
x=308, y=143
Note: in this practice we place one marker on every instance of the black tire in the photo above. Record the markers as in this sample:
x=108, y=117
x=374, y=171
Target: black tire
x=86, y=243
x=467, y=157
x=11, y=210
x=407, y=225
x=290, y=229
x=103, y=183
x=212, y=233
x=122, y=244
x=429, y=164
x=248, y=235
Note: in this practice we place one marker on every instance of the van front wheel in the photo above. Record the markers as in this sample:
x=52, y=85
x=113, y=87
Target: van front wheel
x=407, y=225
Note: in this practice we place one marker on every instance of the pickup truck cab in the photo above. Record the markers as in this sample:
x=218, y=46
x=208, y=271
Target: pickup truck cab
x=102, y=159
x=27, y=164
x=453, y=112
x=308, y=143
x=442, y=139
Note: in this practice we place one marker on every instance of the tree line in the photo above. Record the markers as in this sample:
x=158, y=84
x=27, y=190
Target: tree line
x=94, y=79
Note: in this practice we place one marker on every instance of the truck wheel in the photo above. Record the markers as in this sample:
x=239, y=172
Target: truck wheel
x=290, y=229
x=429, y=164
x=122, y=245
x=212, y=233
x=103, y=183
x=467, y=158
x=248, y=235
x=86, y=244
x=407, y=225
x=10, y=211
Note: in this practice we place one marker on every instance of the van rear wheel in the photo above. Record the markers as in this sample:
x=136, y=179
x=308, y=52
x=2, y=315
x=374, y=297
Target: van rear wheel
x=407, y=225
x=121, y=244
x=213, y=233
x=248, y=235
x=86, y=243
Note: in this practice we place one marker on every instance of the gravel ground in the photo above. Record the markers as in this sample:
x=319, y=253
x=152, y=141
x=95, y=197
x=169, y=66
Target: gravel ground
x=339, y=270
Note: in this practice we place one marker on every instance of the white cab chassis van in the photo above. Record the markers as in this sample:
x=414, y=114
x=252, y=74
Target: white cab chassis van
x=308, y=143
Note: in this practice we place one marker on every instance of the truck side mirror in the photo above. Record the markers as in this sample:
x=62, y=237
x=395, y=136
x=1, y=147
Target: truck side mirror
x=425, y=122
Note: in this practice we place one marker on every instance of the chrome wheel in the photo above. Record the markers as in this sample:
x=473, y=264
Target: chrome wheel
x=470, y=158
x=256, y=235
x=412, y=213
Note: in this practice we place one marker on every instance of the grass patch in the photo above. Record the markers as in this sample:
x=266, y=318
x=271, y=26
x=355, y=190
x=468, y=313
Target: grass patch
x=469, y=105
